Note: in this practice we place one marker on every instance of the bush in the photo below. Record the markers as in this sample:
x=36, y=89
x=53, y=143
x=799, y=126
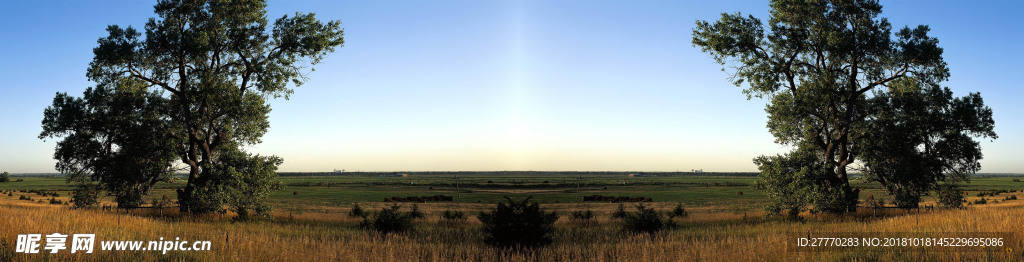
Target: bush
x=950, y=195
x=449, y=217
x=645, y=220
x=981, y=201
x=389, y=220
x=518, y=224
x=678, y=211
x=54, y=201
x=357, y=211
x=620, y=212
x=873, y=203
x=415, y=213
x=1011, y=197
x=582, y=216
x=85, y=195
x=23, y=197
x=162, y=202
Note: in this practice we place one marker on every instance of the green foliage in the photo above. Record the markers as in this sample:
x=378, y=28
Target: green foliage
x=645, y=220
x=620, y=212
x=204, y=199
x=114, y=135
x=846, y=88
x=389, y=220
x=5, y=177
x=217, y=64
x=85, y=195
x=163, y=202
x=248, y=181
x=582, y=215
x=920, y=136
x=787, y=181
x=415, y=212
x=518, y=224
x=357, y=211
x=678, y=211
x=950, y=195
x=873, y=203
x=451, y=218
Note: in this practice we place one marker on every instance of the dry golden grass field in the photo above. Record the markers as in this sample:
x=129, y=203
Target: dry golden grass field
x=328, y=236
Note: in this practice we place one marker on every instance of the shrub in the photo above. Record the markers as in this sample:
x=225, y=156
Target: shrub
x=645, y=220
x=620, y=212
x=518, y=224
x=1010, y=197
x=678, y=211
x=23, y=197
x=873, y=203
x=85, y=195
x=54, y=201
x=449, y=217
x=981, y=201
x=583, y=217
x=950, y=195
x=162, y=202
x=357, y=211
x=389, y=220
x=415, y=213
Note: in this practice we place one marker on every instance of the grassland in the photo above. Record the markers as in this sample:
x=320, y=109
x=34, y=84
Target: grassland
x=312, y=225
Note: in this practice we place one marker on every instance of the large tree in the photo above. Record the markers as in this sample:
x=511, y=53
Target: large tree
x=115, y=134
x=836, y=77
x=218, y=64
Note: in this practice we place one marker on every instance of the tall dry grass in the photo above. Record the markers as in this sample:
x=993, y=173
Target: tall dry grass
x=330, y=235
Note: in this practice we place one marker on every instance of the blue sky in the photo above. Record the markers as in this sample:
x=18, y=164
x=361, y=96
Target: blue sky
x=505, y=85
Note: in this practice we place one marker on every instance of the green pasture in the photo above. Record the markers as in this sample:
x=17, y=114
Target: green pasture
x=729, y=191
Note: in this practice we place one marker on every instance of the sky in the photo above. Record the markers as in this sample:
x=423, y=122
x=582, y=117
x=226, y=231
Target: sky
x=505, y=85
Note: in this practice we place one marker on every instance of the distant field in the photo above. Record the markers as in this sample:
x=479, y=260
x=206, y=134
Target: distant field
x=325, y=233
x=716, y=192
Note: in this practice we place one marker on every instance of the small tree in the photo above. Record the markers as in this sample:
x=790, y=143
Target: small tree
x=161, y=203
x=5, y=177
x=415, y=212
x=873, y=203
x=620, y=212
x=786, y=180
x=451, y=218
x=583, y=217
x=249, y=181
x=645, y=220
x=357, y=211
x=518, y=224
x=678, y=211
x=85, y=195
x=950, y=195
x=389, y=220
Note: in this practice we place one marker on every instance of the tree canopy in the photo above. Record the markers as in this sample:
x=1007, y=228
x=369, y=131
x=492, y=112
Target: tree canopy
x=210, y=68
x=844, y=89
